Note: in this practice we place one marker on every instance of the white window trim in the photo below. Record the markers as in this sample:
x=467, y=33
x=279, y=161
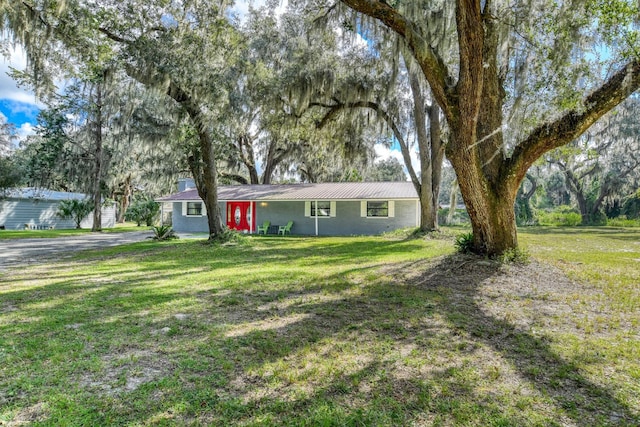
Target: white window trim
x=332, y=209
x=391, y=206
x=203, y=209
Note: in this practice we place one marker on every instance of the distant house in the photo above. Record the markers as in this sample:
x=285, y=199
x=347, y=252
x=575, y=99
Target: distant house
x=350, y=208
x=37, y=208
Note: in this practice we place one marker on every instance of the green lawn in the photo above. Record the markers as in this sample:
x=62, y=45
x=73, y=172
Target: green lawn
x=30, y=234
x=326, y=331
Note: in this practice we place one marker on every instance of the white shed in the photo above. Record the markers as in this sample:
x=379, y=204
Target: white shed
x=37, y=208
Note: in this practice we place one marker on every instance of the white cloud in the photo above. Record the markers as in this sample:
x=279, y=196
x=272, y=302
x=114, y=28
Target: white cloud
x=355, y=40
x=25, y=130
x=8, y=88
x=241, y=7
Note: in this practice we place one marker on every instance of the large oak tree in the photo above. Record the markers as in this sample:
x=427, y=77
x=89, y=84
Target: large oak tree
x=475, y=82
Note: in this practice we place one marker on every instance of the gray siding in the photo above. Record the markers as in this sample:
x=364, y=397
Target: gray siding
x=108, y=218
x=190, y=224
x=346, y=222
x=15, y=213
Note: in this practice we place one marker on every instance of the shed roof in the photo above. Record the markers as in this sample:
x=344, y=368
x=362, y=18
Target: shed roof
x=324, y=191
x=34, y=193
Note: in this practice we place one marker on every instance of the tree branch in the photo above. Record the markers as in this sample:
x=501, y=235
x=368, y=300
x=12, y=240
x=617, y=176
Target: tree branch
x=334, y=109
x=534, y=187
x=432, y=65
x=235, y=177
x=573, y=123
x=114, y=37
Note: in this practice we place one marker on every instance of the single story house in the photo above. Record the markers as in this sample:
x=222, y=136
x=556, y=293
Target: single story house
x=328, y=209
x=37, y=208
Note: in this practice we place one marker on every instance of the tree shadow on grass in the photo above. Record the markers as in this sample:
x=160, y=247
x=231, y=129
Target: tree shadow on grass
x=277, y=346
x=339, y=351
x=583, y=401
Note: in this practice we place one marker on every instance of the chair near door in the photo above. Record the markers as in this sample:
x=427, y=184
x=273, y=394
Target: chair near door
x=284, y=229
x=264, y=227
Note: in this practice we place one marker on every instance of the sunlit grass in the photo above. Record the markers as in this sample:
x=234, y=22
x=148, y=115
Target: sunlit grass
x=30, y=234
x=607, y=258
x=324, y=331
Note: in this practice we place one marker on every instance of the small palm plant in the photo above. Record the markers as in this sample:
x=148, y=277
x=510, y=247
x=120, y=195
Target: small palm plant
x=163, y=232
x=75, y=209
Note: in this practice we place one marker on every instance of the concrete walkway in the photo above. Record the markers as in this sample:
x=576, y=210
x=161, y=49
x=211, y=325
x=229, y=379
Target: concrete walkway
x=17, y=252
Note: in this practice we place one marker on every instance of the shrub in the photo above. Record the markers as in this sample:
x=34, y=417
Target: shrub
x=598, y=218
x=514, y=256
x=75, y=209
x=464, y=243
x=631, y=206
x=163, y=232
x=623, y=221
x=560, y=216
x=143, y=210
x=229, y=237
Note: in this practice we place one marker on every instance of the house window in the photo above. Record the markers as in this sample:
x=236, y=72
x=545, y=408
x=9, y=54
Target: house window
x=375, y=209
x=321, y=208
x=193, y=209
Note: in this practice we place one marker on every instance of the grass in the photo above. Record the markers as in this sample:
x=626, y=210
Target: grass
x=326, y=331
x=30, y=234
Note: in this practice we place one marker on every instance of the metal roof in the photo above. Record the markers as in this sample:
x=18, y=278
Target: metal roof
x=324, y=191
x=41, y=194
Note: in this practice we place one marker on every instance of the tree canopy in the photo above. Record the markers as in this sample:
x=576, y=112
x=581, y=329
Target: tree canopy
x=514, y=80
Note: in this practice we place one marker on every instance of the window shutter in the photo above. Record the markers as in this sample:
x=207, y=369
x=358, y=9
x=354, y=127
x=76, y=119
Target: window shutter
x=184, y=208
x=363, y=208
x=333, y=209
x=307, y=208
x=203, y=212
x=392, y=209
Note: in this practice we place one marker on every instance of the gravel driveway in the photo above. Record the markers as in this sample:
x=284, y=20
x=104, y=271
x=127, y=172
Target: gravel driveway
x=17, y=252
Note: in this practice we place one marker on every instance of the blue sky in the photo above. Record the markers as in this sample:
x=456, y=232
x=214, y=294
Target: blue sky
x=17, y=105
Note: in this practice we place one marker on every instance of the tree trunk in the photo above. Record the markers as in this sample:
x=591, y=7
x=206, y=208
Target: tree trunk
x=275, y=156
x=245, y=145
x=204, y=171
x=437, y=158
x=583, y=207
x=97, y=167
x=574, y=185
x=524, y=213
x=492, y=217
x=453, y=201
x=210, y=190
x=270, y=163
x=428, y=209
x=125, y=199
x=203, y=168
x=490, y=207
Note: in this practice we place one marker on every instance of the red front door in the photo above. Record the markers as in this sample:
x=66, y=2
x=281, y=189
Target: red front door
x=240, y=216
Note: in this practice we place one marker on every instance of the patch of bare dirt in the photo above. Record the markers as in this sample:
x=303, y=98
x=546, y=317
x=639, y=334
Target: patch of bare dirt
x=28, y=416
x=526, y=296
x=125, y=372
x=512, y=316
